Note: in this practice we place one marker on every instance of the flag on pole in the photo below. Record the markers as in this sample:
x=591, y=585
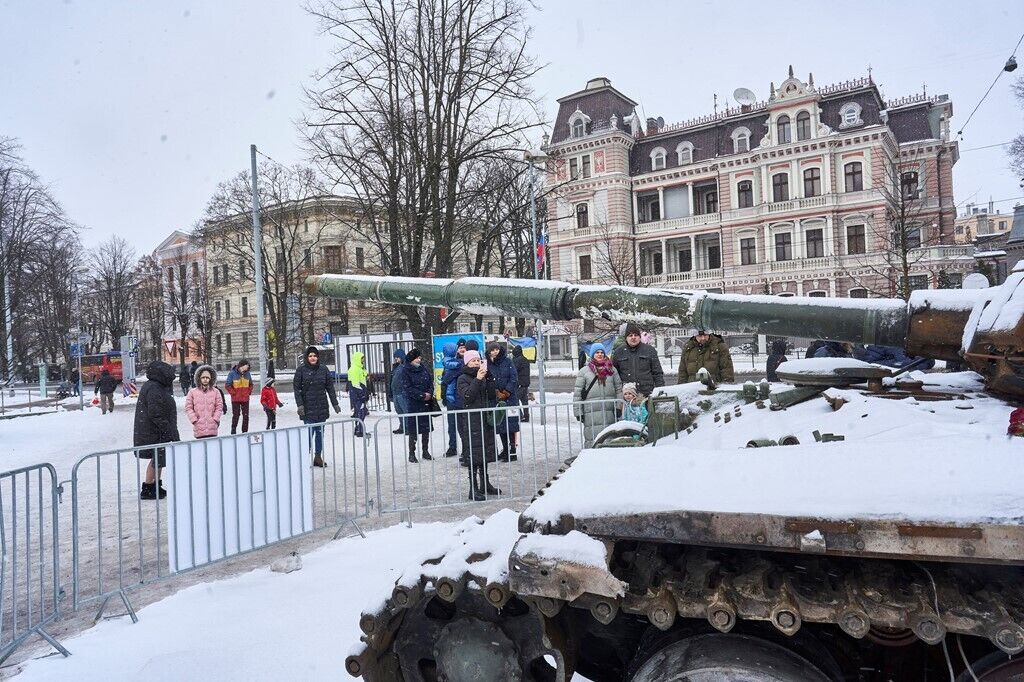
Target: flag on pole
x=529, y=346
x=607, y=343
x=541, y=252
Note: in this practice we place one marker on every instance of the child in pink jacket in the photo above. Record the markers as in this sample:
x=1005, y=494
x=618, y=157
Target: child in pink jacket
x=203, y=404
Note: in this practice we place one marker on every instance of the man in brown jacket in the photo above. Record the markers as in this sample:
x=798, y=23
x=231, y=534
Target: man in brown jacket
x=709, y=351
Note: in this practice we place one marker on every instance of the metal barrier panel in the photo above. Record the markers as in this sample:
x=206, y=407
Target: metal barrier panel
x=30, y=540
x=541, y=437
x=234, y=494
x=377, y=357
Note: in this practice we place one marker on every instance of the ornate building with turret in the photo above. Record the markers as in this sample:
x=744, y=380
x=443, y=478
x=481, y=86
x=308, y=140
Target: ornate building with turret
x=818, y=191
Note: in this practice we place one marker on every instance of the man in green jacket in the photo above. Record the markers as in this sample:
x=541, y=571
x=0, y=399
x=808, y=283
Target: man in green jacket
x=709, y=351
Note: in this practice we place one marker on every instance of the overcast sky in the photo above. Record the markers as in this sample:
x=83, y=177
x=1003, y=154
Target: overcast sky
x=135, y=110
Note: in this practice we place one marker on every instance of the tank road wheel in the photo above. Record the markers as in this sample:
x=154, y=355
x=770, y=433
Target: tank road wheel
x=996, y=667
x=716, y=657
x=468, y=640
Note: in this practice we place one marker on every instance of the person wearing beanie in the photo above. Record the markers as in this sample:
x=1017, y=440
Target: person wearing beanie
x=395, y=394
x=472, y=344
x=634, y=410
x=476, y=392
x=313, y=387
x=522, y=366
x=708, y=351
x=418, y=389
x=239, y=387
x=638, y=362
x=270, y=402
x=597, y=389
x=452, y=368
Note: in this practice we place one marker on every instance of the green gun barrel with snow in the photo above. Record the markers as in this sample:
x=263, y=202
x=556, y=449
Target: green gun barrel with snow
x=984, y=328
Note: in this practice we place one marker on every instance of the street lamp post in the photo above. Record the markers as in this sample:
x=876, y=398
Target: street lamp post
x=532, y=158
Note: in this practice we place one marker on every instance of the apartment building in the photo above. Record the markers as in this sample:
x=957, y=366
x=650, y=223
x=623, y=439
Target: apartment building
x=788, y=196
x=981, y=221
x=181, y=261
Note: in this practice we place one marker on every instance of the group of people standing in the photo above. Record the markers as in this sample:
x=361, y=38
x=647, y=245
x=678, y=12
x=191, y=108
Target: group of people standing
x=481, y=393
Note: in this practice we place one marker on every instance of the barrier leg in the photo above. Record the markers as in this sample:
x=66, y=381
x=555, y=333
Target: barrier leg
x=354, y=525
x=127, y=605
x=53, y=642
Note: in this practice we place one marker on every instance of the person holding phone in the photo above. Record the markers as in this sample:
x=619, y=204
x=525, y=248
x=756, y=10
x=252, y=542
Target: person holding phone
x=476, y=392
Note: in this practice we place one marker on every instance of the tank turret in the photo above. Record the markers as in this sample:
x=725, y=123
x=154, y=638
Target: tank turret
x=983, y=327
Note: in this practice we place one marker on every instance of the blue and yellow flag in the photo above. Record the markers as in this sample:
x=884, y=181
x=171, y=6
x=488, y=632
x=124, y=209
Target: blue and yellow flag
x=529, y=346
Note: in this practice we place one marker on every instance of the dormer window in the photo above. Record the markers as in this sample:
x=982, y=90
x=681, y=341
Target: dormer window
x=684, y=152
x=849, y=115
x=657, y=159
x=803, y=126
x=741, y=140
x=578, y=122
x=782, y=130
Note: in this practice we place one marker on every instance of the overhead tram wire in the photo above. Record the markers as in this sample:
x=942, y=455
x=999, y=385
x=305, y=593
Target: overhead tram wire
x=1010, y=65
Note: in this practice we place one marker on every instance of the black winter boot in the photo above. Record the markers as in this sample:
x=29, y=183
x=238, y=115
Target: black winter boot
x=426, y=446
x=412, y=449
x=476, y=494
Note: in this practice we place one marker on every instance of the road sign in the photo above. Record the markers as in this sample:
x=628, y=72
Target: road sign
x=80, y=338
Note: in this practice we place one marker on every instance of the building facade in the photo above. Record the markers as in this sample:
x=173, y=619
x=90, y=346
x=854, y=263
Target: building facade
x=980, y=221
x=181, y=261
x=791, y=196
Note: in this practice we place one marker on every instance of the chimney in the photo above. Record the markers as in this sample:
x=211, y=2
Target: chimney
x=652, y=126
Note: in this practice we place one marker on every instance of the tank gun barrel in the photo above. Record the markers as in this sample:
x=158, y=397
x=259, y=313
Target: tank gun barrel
x=880, y=321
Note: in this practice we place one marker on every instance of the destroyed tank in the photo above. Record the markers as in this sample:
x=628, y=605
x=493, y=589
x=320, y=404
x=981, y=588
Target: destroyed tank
x=754, y=541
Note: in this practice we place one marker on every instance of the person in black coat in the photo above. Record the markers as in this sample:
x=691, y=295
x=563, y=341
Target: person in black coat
x=105, y=387
x=156, y=421
x=312, y=386
x=776, y=358
x=522, y=366
x=638, y=362
x=418, y=389
x=476, y=393
x=503, y=372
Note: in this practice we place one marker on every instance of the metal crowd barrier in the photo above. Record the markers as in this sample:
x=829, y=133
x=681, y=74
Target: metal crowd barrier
x=30, y=540
x=547, y=435
x=232, y=495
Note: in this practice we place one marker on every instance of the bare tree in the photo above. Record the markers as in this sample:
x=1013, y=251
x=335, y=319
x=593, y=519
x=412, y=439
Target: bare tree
x=291, y=201
x=420, y=96
x=898, y=237
x=149, y=306
x=112, y=266
x=1016, y=150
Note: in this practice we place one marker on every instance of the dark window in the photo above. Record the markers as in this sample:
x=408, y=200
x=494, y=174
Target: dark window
x=684, y=260
x=582, y=215
x=227, y=310
x=855, y=240
x=578, y=128
x=910, y=238
x=909, y=184
x=220, y=345
x=332, y=259
x=585, y=272
x=649, y=208
x=803, y=126
x=224, y=273
x=308, y=259
x=784, y=246
x=574, y=168
x=815, y=243
x=335, y=306
x=216, y=277
x=586, y=165
x=711, y=202
x=812, y=182
x=714, y=256
x=782, y=128
x=245, y=342
x=245, y=306
x=305, y=226
x=745, y=192
x=195, y=271
x=364, y=328
x=241, y=272
x=748, y=251
x=780, y=187
x=858, y=293
x=854, y=176
x=170, y=276
x=216, y=310
x=589, y=327
x=183, y=273
x=918, y=282
x=227, y=343
x=360, y=258
x=741, y=143
x=818, y=294
x=656, y=264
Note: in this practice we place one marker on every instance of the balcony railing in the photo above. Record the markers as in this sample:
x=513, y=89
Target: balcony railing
x=679, y=223
x=688, y=276
x=797, y=204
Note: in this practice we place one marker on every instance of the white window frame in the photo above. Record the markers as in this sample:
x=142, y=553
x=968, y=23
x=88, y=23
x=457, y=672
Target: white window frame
x=811, y=294
x=578, y=117
x=736, y=192
x=789, y=126
x=849, y=116
x=795, y=133
x=575, y=215
x=821, y=179
x=789, y=185
x=658, y=153
x=686, y=147
x=740, y=236
x=741, y=133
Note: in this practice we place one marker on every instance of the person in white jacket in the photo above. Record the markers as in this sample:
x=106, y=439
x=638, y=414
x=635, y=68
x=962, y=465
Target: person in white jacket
x=597, y=388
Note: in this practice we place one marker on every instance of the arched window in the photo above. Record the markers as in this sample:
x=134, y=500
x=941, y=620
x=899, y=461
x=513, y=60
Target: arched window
x=780, y=187
x=812, y=182
x=657, y=158
x=782, y=130
x=803, y=126
x=849, y=115
x=684, y=152
x=578, y=128
x=858, y=293
x=582, y=215
x=909, y=183
x=854, y=175
x=740, y=140
x=578, y=123
x=745, y=194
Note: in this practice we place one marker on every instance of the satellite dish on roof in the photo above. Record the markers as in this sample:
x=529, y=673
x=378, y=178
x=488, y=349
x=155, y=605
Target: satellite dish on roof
x=744, y=96
x=975, y=280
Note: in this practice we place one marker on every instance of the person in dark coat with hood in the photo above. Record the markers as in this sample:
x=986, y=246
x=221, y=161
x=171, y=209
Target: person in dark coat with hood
x=395, y=386
x=638, y=362
x=506, y=387
x=418, y=389
x=156, y=421
x=776, y=358
x=476, y=393
x=105, y=386
x=522, y=366
x=313, y=387
x=833, y=349
x=185, y=379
